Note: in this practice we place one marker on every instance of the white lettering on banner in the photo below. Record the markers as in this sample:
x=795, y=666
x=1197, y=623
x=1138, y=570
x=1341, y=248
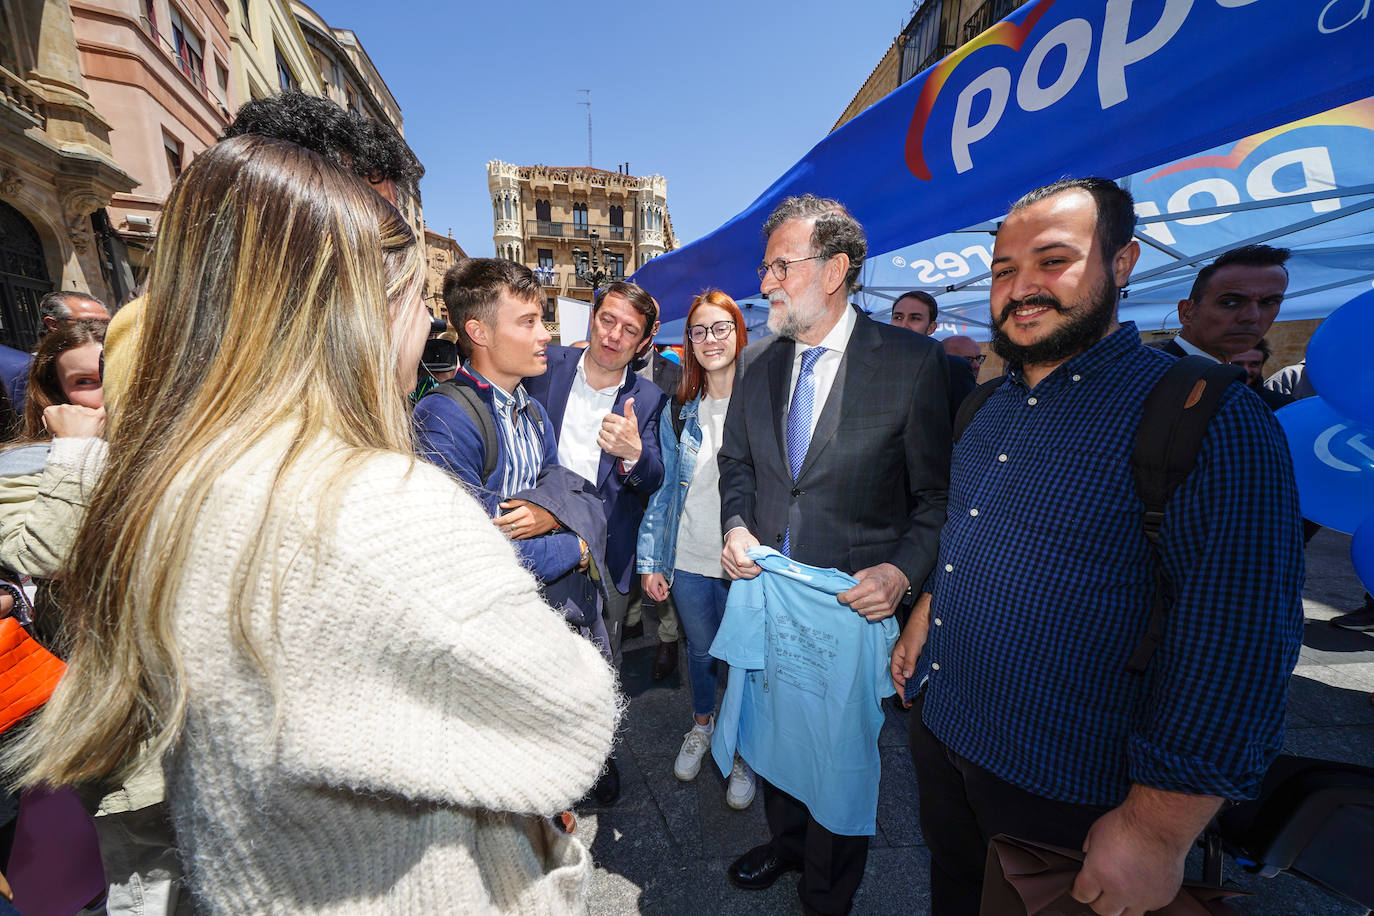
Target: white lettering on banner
x=956, y=265
x=1235, y=4
x=1324, y=27
x=1317, y=172
x=997, y=83
x=1076, y=36
x=1221, y=190
x=980, y=251
x=1117, y=53
x=1157, y=231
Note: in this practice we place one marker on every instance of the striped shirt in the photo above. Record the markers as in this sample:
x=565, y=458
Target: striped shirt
x=521, y=441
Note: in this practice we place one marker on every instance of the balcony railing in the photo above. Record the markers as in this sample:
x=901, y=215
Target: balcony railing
x=987, y=15
x=553, y=229
x=21, y=97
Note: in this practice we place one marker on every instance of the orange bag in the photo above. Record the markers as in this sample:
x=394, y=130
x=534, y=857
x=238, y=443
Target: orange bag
x=28, y=673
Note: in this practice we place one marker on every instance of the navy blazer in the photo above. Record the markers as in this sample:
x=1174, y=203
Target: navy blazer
x=14, y=374
x=872, y=488
x=624, y=495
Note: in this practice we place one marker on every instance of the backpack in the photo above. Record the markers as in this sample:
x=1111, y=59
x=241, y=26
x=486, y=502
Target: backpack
x=1177, y=412
x=471, y=402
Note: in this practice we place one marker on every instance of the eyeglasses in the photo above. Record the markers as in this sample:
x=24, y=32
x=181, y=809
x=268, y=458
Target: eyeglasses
x=976, y=361
x=779, y=267
x=720, y=330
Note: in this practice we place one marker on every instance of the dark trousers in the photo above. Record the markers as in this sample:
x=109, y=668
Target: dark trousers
x=963, y=806
x=832, y=864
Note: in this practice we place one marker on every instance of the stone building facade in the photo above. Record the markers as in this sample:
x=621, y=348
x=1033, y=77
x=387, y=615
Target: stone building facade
x=57, y=167
x=441, y=253
x=935, y=29
x=551, y=219
x=159, y=70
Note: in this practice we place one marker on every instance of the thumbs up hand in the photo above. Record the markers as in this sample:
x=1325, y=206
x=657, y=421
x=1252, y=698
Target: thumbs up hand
x=619, y=435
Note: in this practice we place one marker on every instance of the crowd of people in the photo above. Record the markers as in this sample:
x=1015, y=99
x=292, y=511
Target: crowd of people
x=272, y=705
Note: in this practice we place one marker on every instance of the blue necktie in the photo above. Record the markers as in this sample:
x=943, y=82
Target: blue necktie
x=799, y=422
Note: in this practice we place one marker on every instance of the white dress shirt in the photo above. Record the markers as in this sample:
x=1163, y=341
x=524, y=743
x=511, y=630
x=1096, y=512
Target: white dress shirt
x=1191, y=350
x=578, y=450
x=827, y=366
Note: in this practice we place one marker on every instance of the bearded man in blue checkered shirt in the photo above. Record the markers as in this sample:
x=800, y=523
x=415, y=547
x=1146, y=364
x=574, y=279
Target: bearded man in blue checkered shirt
x=1029, y=722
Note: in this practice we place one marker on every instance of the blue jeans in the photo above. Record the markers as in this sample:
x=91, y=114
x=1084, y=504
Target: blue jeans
x=700, y=606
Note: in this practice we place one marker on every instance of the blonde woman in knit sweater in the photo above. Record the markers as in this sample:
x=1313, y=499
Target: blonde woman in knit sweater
x=345, y=729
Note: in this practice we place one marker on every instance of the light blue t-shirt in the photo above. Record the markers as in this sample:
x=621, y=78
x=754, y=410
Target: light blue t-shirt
x=807, y=677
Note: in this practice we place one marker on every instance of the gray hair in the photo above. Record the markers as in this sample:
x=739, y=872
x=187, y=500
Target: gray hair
x=835, y=231
x=58, y=304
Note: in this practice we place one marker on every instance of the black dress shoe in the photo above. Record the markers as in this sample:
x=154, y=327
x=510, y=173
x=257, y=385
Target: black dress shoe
x=607, y=788
x=665, y=661
x=759, y=868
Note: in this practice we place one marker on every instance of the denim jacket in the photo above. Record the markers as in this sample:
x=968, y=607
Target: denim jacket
x=656, y=550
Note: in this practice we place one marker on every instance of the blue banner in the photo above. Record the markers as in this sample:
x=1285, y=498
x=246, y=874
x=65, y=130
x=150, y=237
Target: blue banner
x=1308, y=186
x=1061, y=87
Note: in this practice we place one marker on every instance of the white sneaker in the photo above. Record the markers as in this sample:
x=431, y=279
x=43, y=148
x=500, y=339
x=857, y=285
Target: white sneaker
x=695, y=744
x=739, y=793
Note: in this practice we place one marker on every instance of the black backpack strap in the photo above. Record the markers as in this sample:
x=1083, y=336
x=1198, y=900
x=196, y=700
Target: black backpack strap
x=971, y=404
x=471, y=402
x=1177, y=413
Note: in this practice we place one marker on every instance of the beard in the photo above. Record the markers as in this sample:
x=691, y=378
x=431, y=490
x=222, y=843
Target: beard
x=793, y=318
x=1088, y=321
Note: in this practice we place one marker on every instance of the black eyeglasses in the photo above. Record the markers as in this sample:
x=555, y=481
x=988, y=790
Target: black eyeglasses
x=720, y=330
x=779, y=267
x=976, y=361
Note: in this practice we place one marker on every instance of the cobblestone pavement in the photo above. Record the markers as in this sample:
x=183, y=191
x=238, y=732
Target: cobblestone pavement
x=664, y=846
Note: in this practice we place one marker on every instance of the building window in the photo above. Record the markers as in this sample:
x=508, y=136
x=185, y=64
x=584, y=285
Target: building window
x=189, y=50
x=580, y=219
x=285, y=77
x=925, y=39
x=542, y=211
x=247, y=24
x=173, y=148
x=150, y=13
x=615, y=263
x=546, y=259
x=617, y=220
x=351, y=100
x=222, y=79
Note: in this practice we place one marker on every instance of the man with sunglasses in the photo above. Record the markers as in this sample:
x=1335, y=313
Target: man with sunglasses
x=836, y=459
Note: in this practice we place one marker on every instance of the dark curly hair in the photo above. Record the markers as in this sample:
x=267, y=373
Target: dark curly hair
x=371, y=148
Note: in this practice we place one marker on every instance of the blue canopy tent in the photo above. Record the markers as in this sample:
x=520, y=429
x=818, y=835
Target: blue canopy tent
x=1308, y=186
x=1078, y=87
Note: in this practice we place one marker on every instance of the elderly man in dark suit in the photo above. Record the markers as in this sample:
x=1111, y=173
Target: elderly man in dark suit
x=838, y=457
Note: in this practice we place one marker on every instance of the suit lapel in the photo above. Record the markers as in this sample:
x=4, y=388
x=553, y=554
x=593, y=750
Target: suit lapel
x=780, y=357
x=558, y=394
x=858, y=363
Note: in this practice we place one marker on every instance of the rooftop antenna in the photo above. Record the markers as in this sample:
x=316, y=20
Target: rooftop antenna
x=588, y=103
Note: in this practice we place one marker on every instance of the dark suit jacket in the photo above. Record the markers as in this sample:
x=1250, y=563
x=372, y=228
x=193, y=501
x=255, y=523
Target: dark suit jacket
x=624, y=495
x=962, y=381
x=1272, y=399
x=873, y=487
x=664, y=373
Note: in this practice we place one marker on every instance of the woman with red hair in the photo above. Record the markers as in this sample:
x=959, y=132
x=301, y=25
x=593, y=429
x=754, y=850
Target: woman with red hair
x=680, y=538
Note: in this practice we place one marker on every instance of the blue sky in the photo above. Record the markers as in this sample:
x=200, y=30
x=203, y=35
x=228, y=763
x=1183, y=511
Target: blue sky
x=719, y=98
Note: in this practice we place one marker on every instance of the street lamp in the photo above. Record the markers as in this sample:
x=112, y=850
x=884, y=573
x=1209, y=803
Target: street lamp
x=592, y=271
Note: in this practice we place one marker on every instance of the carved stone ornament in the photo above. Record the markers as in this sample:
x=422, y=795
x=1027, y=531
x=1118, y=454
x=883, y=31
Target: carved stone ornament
x=78, y=203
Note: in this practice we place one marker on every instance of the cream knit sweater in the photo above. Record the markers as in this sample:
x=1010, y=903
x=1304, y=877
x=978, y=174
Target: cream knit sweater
x=430, y=705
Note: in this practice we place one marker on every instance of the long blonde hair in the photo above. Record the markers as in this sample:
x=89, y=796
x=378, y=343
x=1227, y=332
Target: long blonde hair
x=269, y=302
